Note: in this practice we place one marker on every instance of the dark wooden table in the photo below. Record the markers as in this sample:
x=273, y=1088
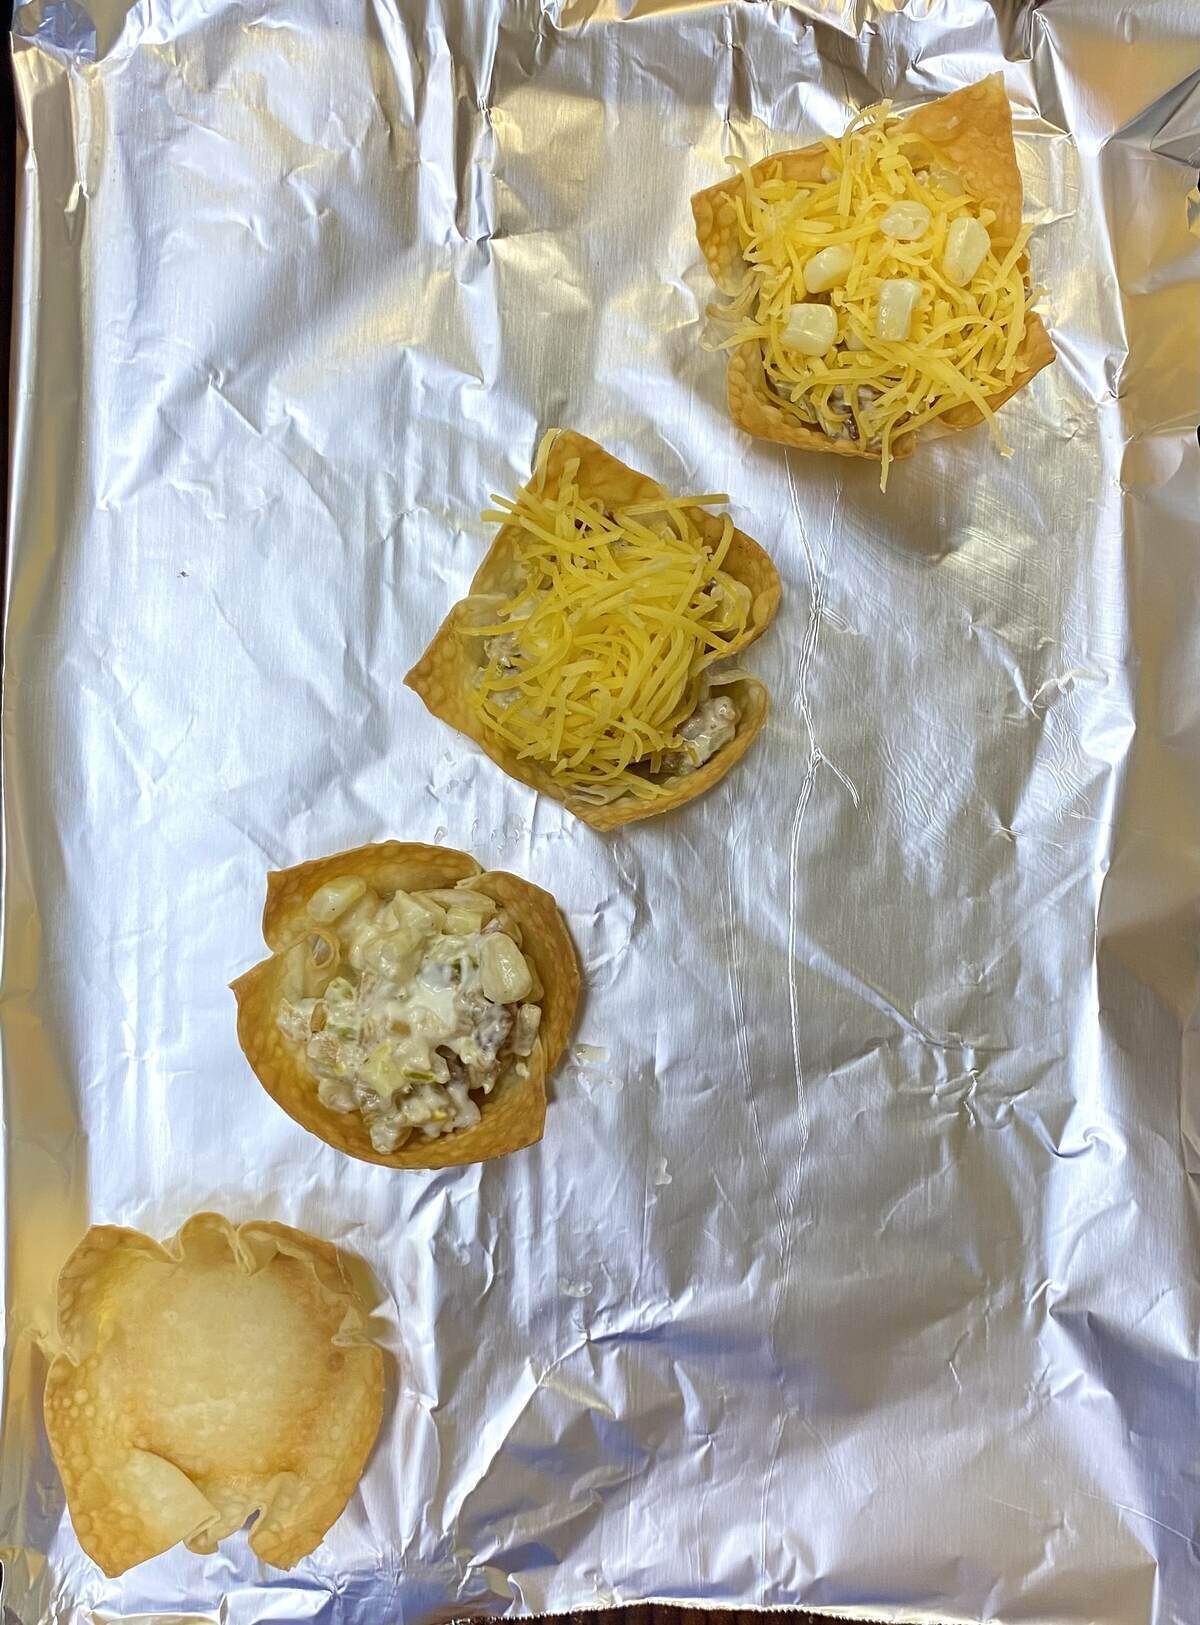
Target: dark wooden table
x=656, y=1614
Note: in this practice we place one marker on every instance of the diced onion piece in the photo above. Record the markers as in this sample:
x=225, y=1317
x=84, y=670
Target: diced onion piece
x=525, y=1029
x=336, y=1094
x=853, y=342
x=905, y=222
x=324, y=950
x=828, y=267
x=462, y=897
x=503, y=972
x=811, y=329
x=897, y=301
x=334, y=898
x=967, y=243
x=311, y=965
x=503, y=921
x=463, y=922
x=407, y=911
x=427, y=901
x=358, y=919
x=388, y=1134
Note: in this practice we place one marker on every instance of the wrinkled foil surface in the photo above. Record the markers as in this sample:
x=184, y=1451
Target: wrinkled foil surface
x=858, y=1266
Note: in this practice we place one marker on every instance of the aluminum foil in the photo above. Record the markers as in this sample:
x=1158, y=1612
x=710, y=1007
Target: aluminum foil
x=857, y=1268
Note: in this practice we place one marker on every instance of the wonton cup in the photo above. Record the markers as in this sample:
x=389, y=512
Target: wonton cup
x=514, y=1114
x=225, y=1372
x=449, y=666
x=971, y=131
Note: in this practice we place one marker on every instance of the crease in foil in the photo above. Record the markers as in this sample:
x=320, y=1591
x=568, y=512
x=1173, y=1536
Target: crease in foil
x=857, y=1268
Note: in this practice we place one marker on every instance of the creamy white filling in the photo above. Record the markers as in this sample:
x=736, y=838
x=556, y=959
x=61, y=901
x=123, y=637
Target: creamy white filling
x=709, y=729
x=408, y=1008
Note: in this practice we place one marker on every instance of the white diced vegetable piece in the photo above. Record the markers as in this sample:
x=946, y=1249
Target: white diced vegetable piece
x=503, y=921
x=525, y=1029
x=948, y=181
x=461, y=897
x=853, y=342
x=504, y=974
x=408, y=913
x=336, y=1094
x=303, y=977
x=394, y=956
x=358, y=919
x=332, y=899
x=811, y=329
x=906, y=221
x=427, y=901
x=828, y=267
x=967, y=243
x=386, y=1133
x=897, y=301
x=463, y=922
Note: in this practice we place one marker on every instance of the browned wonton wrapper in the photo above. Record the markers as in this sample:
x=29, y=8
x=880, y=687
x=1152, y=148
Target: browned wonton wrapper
x=514, y=1114
x=447, y=669
x=972, y=132
x=224, y=1373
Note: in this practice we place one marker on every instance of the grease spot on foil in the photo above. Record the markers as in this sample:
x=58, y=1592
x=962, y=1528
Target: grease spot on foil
x=661, y=1176
x=585, y=1054
x=596, y=1085
x=439, y=835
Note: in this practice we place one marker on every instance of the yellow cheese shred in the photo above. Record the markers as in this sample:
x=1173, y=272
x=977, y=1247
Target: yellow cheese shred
x=963, y=344
x=599, y=657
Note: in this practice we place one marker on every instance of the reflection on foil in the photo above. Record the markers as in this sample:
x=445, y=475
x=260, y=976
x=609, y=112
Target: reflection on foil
x=864, y=1242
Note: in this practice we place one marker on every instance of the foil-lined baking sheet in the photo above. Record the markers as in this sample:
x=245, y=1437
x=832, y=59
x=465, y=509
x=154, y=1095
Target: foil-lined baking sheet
x=857, y=1268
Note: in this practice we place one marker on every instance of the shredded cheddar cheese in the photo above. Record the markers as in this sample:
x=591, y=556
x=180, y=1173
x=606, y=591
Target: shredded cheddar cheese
x=600, y=656
x=963, y=341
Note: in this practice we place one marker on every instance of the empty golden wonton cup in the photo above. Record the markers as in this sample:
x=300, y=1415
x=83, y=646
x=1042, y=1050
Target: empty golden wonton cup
x=514, y=1114
x=223, y=1373
x=971, y=130
x=445, y=672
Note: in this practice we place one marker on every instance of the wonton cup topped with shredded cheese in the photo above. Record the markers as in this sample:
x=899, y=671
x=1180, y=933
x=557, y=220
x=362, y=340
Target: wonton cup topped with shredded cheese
x=584, y=661
x=225, y=1372
x=878, y=284
x=390, y=1003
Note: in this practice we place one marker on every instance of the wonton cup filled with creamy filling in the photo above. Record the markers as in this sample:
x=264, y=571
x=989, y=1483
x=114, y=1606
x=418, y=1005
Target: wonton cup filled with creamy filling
x=878, y=285
x=587, y=659
x=413, y=1005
